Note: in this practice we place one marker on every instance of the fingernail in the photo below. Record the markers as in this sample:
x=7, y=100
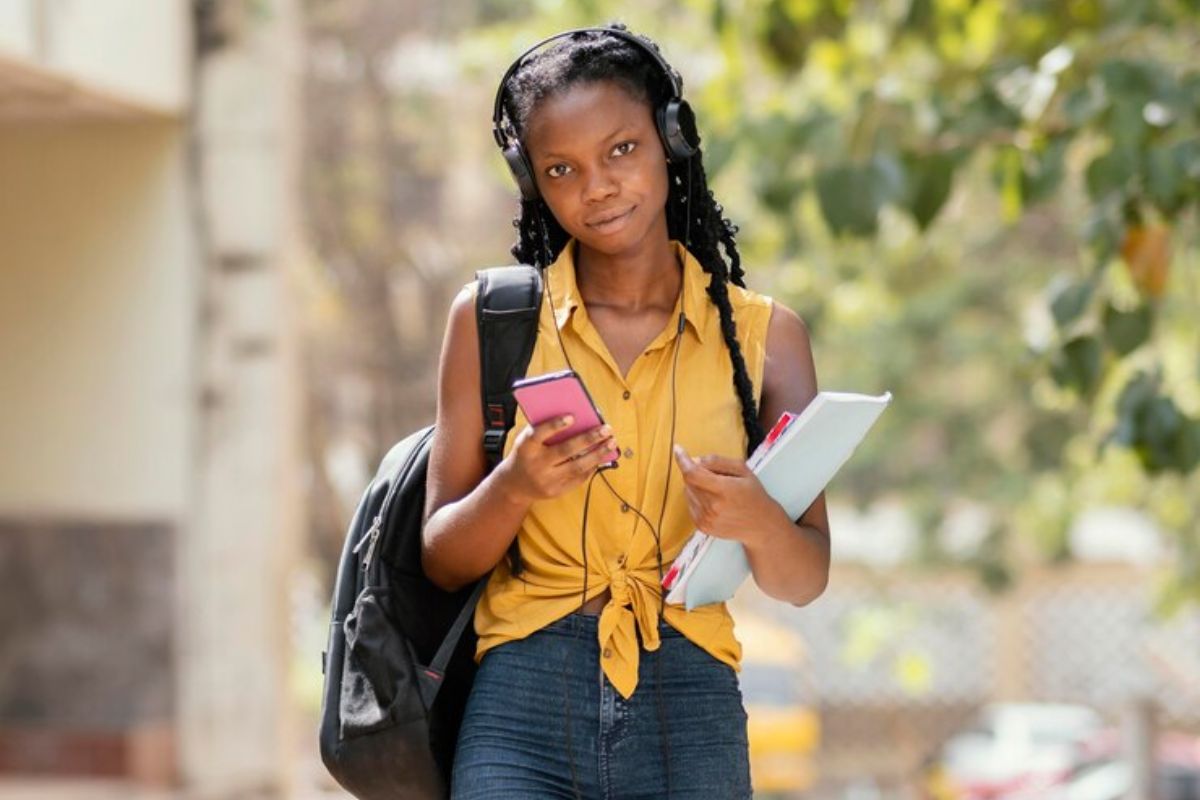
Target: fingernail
x=567, y=420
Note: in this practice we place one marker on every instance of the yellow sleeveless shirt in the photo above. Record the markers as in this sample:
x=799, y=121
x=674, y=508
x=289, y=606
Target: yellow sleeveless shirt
x=621, y=549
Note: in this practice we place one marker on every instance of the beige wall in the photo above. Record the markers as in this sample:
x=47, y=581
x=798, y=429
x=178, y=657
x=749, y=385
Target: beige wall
x=96, y=264
x=17, y=25
x=134, y=48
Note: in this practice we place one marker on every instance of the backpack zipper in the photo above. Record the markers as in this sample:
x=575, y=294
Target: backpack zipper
x=373, y=536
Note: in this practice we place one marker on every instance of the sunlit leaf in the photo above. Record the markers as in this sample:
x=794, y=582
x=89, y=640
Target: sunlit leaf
x=1069, y=300
x=984, y=114
x=920, y=15
x=1084, y=103
x=1078, y=364
x=1126, y=124
x=1133, y=81
x=930, y=178
x=848, y=199
x=1125, y=331
x=1110, y=172
x=1104, y=229
x=1137, y=392
x=1187, y=446
x=1043, y=169
x=1161, y=425
x=720, y=16
x=1166, y=177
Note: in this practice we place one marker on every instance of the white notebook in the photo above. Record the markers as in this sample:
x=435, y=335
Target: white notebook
x=794, y=466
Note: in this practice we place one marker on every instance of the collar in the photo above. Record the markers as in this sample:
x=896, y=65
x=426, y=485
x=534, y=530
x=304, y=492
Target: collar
x=565, y=291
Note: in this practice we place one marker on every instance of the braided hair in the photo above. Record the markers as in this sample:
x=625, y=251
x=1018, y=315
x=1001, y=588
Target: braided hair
x=592, y=56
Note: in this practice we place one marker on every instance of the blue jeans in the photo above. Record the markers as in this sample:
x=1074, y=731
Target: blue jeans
x=542, y=718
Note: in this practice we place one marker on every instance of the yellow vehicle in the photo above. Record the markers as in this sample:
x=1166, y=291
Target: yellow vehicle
x=784, y=733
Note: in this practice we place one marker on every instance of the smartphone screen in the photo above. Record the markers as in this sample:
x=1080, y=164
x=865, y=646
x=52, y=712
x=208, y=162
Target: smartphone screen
x=554, y=394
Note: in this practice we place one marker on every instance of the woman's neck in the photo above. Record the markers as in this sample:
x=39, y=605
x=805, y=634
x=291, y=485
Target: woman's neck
x=633, y=282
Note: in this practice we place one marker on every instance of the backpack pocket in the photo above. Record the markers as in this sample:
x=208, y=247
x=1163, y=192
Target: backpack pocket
x=379, y=669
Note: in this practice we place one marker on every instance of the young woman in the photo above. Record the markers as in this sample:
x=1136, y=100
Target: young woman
x=588, y=685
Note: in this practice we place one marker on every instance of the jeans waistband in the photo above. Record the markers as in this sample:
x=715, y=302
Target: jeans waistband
x=578, y=623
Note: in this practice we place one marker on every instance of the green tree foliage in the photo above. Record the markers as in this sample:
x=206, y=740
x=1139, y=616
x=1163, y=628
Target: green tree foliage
x=992, y=205
x=905, y=92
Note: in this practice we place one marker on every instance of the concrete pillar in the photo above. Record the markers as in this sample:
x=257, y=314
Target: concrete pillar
x=1138, y=735
x=241, y=537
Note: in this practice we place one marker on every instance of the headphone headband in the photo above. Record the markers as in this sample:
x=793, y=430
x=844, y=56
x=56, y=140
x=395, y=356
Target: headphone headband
x=670, y=115
x=497, y=107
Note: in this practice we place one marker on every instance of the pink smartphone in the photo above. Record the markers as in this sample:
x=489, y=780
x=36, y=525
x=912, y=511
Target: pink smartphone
x=554, y=394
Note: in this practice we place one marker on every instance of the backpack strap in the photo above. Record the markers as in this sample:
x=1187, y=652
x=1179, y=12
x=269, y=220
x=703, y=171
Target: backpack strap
x=429, y=679
x=508, y=304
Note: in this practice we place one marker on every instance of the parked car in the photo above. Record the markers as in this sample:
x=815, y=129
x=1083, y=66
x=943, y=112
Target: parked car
x=1104, y=775
x=1113, y=780
x=1015, y=748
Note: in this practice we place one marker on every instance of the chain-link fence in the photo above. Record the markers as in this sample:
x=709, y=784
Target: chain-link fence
x=893, y=664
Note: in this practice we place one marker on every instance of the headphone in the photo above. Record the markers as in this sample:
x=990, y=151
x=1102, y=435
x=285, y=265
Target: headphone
x=668, y=116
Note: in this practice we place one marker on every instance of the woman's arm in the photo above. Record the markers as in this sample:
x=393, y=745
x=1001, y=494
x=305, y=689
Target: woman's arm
x=471, y=516
x=789, y=560
x=470, y=519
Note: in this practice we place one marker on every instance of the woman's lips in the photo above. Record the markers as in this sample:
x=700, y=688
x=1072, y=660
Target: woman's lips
x=613, y=225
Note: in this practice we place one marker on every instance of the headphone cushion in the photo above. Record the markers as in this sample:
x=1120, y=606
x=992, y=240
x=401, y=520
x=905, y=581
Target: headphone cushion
x=518, y=165
x=670, y=117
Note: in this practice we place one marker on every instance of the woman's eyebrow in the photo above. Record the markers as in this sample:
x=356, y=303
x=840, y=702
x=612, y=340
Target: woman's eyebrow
x=617, y=132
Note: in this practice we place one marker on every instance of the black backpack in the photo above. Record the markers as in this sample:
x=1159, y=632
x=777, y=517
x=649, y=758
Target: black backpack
x=400, y=658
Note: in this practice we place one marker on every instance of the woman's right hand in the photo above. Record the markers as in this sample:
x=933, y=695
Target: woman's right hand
x=539, y=471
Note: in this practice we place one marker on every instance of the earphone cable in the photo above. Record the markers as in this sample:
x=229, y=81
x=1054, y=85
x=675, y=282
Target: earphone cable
x=664, y=738
x=566, y=676
x=670, y=459
x=654, y=529
x=547, y=259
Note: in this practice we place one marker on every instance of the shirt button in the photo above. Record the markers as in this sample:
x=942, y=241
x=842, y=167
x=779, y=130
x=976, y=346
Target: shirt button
x=624, y=507
x=629, y=452
x=621, y=560
x=626, y=394
x=607, y=652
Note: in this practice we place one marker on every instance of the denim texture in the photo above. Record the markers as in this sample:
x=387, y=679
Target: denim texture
x=541, y=702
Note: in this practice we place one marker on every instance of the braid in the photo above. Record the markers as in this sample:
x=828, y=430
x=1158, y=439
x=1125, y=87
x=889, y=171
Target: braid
x=710, y=228
x=589, y=57
x=529, y=248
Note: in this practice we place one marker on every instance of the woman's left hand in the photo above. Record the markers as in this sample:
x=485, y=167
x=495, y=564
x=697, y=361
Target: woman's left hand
x=727, y=500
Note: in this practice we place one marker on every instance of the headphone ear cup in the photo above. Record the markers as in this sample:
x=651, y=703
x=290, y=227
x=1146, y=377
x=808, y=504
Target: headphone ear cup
x=518, y=165
x=672, y=117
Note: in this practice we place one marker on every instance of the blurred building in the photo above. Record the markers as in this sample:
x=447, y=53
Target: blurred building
x=147, y=484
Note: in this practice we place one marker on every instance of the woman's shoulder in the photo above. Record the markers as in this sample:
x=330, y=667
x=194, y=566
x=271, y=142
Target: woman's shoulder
x=467, y=292
x=753, y=306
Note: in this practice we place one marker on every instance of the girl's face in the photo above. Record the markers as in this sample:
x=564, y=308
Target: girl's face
x=600, y=165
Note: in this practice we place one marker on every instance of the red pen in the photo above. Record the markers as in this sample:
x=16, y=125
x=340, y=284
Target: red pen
x=672, y=574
